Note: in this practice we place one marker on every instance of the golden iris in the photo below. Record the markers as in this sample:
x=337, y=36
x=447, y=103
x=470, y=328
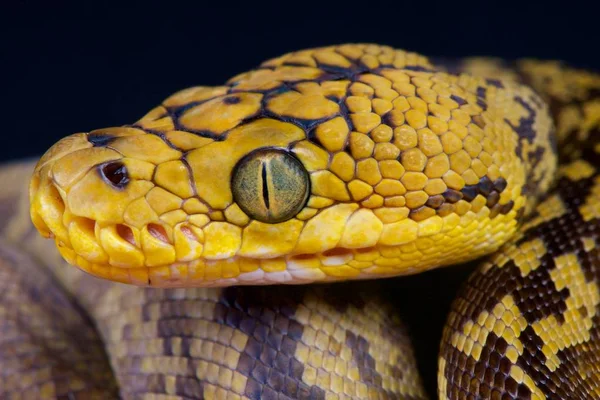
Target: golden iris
x=270, y=185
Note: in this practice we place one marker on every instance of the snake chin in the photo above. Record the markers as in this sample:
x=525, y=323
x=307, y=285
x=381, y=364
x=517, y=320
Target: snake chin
x=329, y=266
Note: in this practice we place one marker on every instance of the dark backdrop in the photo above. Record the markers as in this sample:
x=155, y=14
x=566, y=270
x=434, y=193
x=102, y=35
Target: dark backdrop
x=71, y=67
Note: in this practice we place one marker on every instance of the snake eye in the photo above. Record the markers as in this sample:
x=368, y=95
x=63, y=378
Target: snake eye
x=115, y=173
x=270, y=185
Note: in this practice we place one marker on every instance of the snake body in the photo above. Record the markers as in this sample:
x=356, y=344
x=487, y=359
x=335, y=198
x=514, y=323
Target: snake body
x=338, y=163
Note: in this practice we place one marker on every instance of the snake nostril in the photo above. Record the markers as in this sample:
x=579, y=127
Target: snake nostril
x=115, y=172
x=126, y=233
x=158, y=232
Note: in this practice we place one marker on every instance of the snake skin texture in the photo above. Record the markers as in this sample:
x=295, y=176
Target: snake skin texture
x=303, y=342
x=408, y=168
x=526, y=324
x=523, y=326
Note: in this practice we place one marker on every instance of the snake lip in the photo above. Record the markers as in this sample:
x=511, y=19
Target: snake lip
x=48, y=208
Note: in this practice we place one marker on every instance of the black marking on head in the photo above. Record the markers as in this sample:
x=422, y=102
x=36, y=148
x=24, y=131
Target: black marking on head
x=232, y=100
x=312, y=137
x=418, y=68
x=345, y=113
x=334, y=73
x=100, y=139
x=459, y=100
x=481, y=94
x=525, y=128
x=305, y=124
x=478, y=120
x=495, y=82
x=176, y=112
x=207, y=134
x=268, y=93
x=114, y=173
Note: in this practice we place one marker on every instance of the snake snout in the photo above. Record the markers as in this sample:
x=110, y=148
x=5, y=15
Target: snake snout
x=47, y=207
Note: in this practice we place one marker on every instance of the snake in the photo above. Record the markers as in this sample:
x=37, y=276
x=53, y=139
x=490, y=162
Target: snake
x=230, y=243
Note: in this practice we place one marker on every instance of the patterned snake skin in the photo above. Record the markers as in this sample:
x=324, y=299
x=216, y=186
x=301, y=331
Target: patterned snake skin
x=411, y=163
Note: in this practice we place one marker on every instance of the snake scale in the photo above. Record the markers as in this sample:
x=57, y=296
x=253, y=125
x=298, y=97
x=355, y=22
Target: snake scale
x=341, y=163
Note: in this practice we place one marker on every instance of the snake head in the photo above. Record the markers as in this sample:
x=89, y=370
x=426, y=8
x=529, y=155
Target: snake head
x=293, y=173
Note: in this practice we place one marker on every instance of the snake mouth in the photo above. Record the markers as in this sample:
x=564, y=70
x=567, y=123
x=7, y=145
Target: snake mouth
x=238, y=270
x=122, y=253
x=158, y=255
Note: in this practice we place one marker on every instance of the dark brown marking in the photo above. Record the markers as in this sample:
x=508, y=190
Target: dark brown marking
x=469, y=192
x=492, y=199
x=231, y=100
x=495, y=82
x=452, y=196
x=459, y=100
x=478, y=120
x=100, y=139
x=500, y=184
x=445, y=209
x=421, y=213
x=418, y=68
x=506, y=208
x=485, y=186
x=481, y=95
x=536, y=297
x=435, y=201
x=364, y=361
x=525, y=127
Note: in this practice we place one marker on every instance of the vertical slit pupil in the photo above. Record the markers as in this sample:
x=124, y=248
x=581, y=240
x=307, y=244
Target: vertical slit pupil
x=265, y=188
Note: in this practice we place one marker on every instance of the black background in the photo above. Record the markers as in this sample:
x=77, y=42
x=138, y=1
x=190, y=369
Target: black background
x=71, y=67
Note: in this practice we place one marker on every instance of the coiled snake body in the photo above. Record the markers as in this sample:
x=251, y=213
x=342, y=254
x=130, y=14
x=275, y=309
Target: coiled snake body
x=338, y=163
